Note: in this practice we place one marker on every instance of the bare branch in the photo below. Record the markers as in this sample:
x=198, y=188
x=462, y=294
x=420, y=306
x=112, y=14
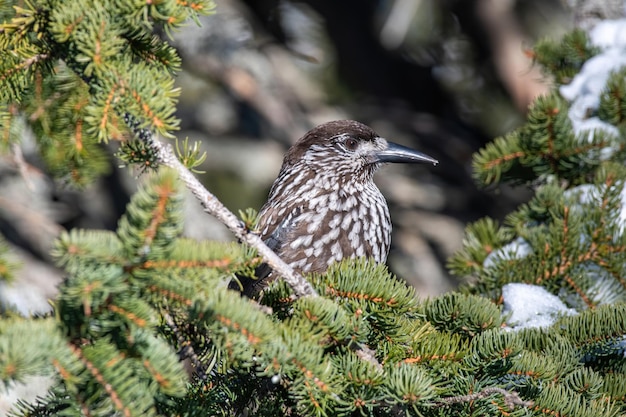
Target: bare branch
x=18, y=158
x=214, y=207
x=186, y=351
x=511, y=398
x=366, y=354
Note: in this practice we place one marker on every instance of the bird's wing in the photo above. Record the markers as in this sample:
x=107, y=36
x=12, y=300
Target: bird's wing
x=276, y=235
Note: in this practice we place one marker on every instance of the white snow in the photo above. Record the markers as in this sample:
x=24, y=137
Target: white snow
x=585, y=89
x=517, y=249
x=529, y=306
x=588, y=196
x=609, y=34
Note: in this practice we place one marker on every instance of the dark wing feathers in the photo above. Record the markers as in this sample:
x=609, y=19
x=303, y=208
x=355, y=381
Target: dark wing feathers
x=278, y=234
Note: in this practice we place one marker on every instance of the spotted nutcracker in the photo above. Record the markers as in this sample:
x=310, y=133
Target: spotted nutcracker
x=324, y=205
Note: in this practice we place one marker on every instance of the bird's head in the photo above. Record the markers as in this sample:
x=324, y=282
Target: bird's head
x=348, y=148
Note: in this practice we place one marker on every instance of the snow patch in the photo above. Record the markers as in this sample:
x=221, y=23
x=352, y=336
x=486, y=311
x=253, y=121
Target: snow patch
x=517, y=249
x=530, y=306
x=585, y=89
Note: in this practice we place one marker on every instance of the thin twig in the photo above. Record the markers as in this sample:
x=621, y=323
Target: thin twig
x=18, y=158
x=186, y=351
x=214, y=207
x=368, y=355
x=511, y=398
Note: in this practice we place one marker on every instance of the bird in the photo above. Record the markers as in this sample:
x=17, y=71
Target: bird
x=324, y=205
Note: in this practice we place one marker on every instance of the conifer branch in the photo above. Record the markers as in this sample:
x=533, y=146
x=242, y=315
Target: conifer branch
x=106, y=385
x=214, y=207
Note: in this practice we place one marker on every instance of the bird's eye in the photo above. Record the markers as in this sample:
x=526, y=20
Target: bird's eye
x=351, y=144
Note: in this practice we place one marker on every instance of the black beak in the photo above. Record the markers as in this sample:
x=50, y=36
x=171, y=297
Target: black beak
x=401, y=154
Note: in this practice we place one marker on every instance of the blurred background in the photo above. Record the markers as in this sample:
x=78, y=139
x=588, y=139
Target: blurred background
x=442, y=76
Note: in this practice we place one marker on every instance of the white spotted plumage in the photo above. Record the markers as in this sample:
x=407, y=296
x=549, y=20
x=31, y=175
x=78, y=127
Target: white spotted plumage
x=324, y=205
x=341, y=211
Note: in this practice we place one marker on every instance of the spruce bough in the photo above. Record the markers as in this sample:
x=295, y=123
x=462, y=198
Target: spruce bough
x=137, y=300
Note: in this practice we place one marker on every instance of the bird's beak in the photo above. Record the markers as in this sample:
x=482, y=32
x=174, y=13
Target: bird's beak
x=401, y=154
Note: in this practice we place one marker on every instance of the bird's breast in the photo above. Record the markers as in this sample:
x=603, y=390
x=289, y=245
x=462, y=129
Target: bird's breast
x=316, y=229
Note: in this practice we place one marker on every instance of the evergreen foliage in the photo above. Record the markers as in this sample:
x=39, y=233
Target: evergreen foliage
x=137, y=301
x=562, y=60
x=71, y=70
x=612, y=107
x=569, y=238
